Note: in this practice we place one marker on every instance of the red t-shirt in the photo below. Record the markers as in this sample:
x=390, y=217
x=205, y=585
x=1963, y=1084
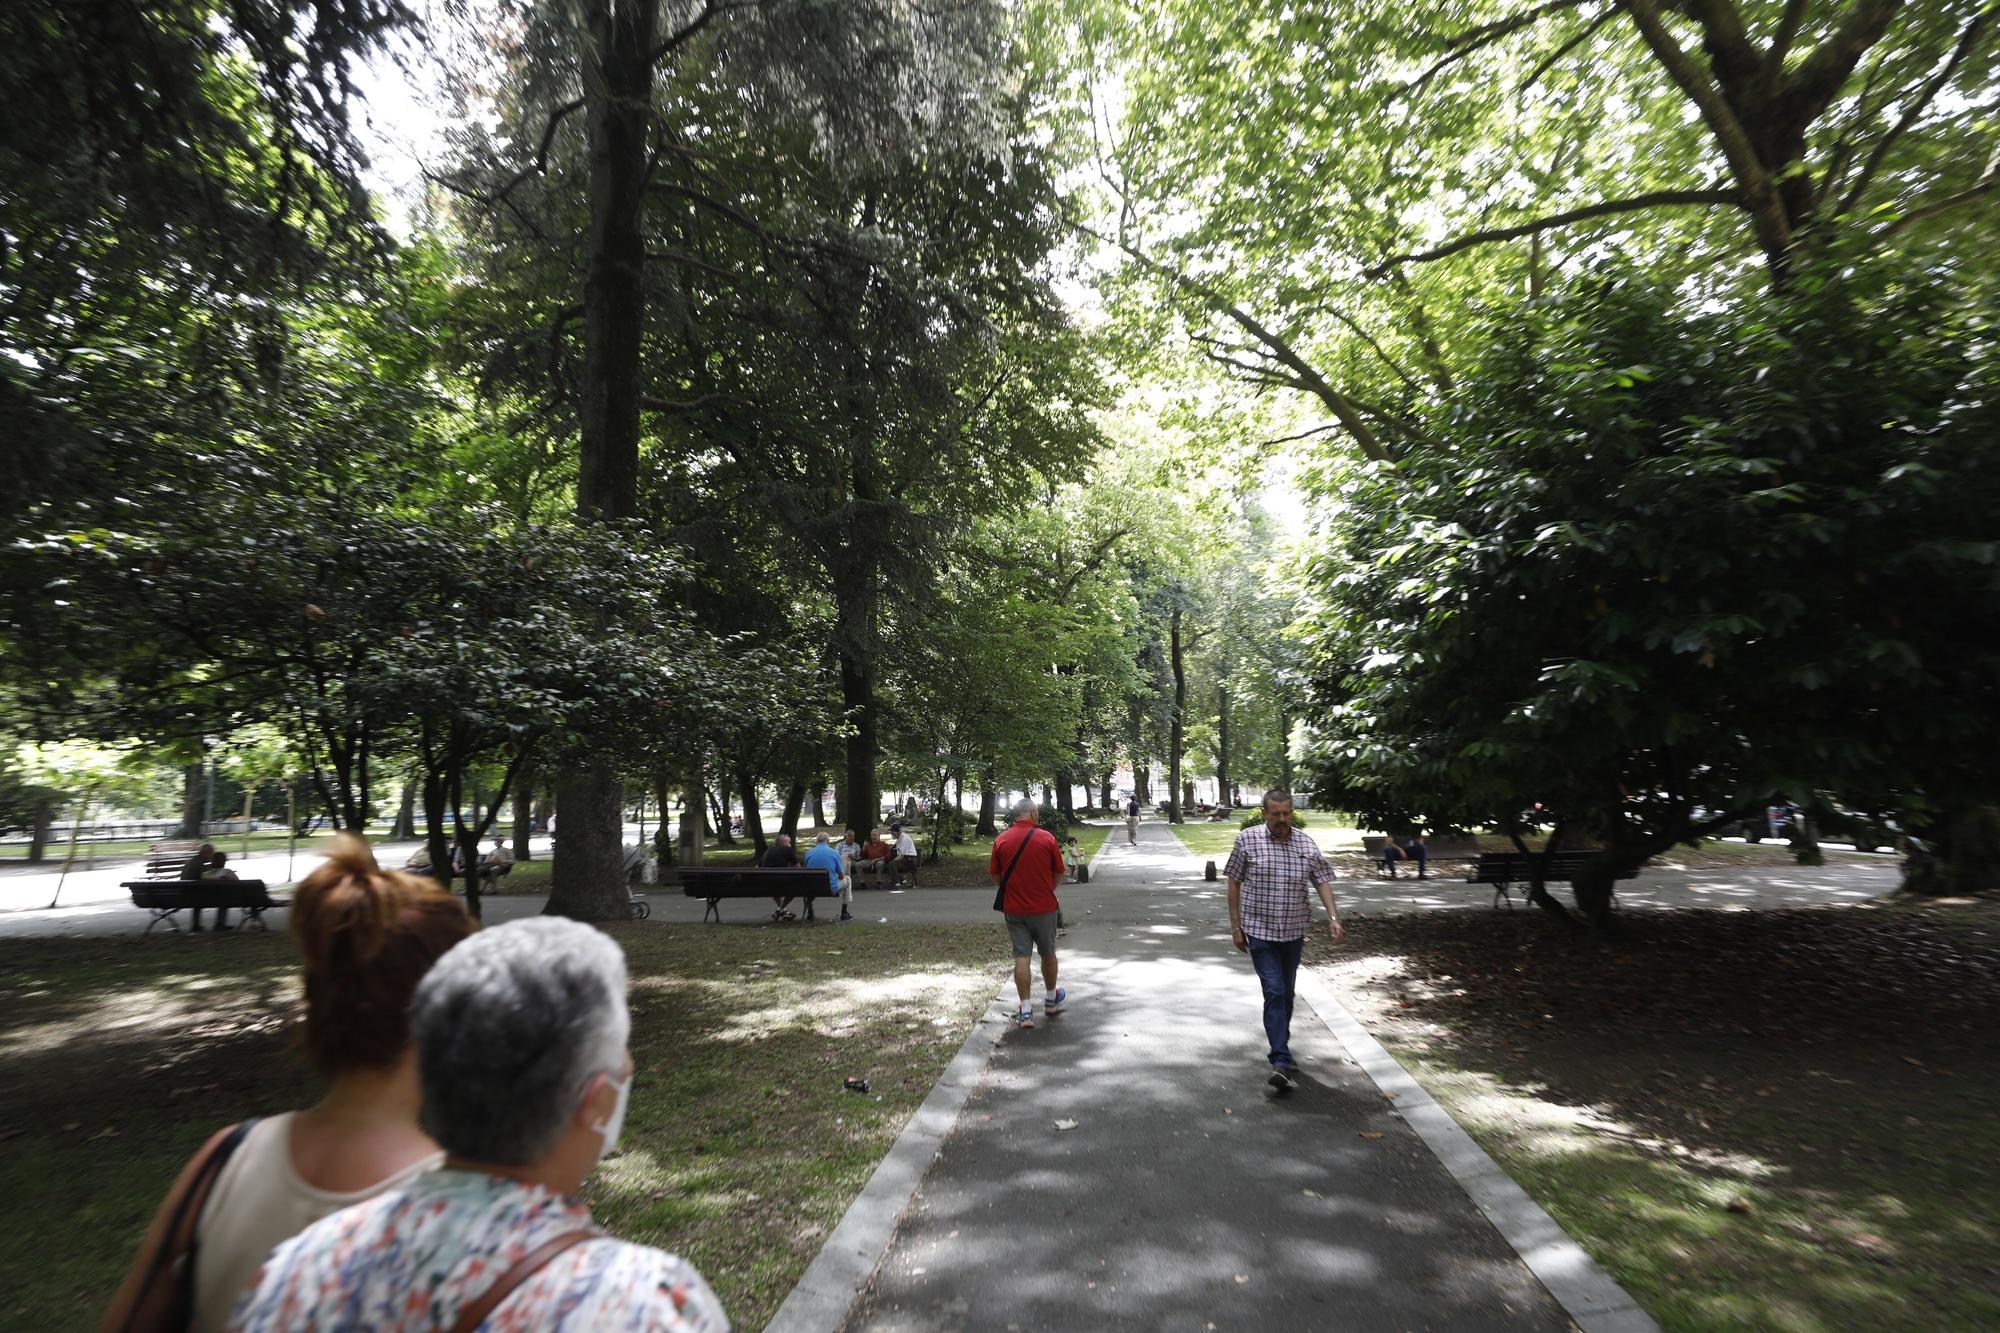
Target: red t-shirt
x=1031, y=890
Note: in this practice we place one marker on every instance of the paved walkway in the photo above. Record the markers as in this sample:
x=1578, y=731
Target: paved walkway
x=1187, y=1196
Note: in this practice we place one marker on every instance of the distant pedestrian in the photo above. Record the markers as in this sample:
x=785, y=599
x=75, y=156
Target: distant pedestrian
x=1268, y=873
x=1072, y=858
x=824, y=856
x=1132, y=821
x=1026, y=865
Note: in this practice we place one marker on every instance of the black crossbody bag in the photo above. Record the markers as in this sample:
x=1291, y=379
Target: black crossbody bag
x=1000, y=894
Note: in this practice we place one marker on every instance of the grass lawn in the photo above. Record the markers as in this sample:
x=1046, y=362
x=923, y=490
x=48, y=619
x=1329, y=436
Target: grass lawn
x=741, y=1151
x=1776, y=1120
x=1214, y=840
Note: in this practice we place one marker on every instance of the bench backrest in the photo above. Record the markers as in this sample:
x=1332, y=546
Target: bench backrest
x=752, y=881
x=200, y=893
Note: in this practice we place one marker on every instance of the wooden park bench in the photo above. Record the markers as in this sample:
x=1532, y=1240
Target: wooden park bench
x=163, y=892
x=715, y=883
x=1440, y=849
x=1504, y=869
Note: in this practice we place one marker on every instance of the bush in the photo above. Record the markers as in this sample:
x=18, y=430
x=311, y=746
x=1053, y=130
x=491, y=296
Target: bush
x=1298, y=820
x=1054, y=820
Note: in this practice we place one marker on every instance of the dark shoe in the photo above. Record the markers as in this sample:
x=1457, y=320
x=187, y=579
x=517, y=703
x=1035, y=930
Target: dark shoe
x=1283, y=1079
x=846, y=915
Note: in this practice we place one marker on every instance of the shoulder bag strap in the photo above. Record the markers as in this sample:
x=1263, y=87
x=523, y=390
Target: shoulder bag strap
x=1000, y=893
x=173, y=1305
x=531, y=1263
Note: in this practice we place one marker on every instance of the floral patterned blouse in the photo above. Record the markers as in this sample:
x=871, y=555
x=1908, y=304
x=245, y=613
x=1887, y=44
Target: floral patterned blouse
x=410, y=1260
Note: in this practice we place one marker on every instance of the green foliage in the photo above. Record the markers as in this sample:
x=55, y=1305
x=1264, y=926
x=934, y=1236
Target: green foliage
x=1673, y=557
x=1298, y=821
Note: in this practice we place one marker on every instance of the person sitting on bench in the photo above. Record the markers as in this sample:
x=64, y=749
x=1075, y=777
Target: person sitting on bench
x=877, y=856
x=1406, y=849
x=779, y=856
x=217, y=870
x=194, y=868
x=495, y=863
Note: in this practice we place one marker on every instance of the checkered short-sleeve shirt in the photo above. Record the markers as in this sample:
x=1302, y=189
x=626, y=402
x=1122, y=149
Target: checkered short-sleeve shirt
x=1276, y=879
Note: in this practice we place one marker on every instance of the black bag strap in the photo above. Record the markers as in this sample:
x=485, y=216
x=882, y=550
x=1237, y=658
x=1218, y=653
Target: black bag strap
x=1000, y=894
x=181, y=1244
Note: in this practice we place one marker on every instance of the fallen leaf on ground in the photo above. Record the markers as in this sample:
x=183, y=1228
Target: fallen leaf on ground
x=1065, y=1124
x=1371, y=1133
x=1242, y=1278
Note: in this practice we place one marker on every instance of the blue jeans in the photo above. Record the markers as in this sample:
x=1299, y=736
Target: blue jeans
x=1393, y=853
x=1277, y=964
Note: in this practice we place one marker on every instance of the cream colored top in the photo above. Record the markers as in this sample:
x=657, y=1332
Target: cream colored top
x=258, y=1201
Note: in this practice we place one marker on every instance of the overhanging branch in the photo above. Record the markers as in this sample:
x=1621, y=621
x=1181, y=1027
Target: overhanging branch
x=1637, y=203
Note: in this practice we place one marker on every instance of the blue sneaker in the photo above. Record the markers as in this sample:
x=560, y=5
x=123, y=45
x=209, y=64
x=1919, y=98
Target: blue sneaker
x=1055, y=1002
x=1026, y=1017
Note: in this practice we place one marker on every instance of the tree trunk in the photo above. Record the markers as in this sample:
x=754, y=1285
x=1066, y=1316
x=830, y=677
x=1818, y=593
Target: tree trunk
x=693, y=799
x=1048, y=794
x=819, y=801
x=753, y=817
x=1222, y=742
x=1142, y=784
x=795, y=801
x=1284, y=749
x=857, y=694
x=587, y=882
x=190, y=826
x=1187, y=795
x=38, y=832
x=524, y=811
x=989, y=801
x=1176, y=802
x=617, y=74
x=1066, y=794
x=1104, y=792
x=405, y=827
x=719, y=804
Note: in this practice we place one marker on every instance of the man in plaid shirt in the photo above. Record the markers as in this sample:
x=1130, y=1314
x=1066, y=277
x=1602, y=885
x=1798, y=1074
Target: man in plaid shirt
x=1268, y=872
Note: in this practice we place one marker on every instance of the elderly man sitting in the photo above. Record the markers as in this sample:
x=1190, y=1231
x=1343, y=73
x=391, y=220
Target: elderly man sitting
x=520, y=1035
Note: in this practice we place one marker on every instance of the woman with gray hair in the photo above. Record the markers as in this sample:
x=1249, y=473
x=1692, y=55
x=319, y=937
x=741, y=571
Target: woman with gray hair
x=521, y=1035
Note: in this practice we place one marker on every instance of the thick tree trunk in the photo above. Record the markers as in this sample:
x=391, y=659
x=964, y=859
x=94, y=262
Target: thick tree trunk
x=1187, y=795
x=405, y=826
x=190, y=826
x=753, y=817
x=1104, y=792
x=719, y=806
x=1284, y=749
x=1176, y=801
x=989, y=801
x=1221, y=742
x=663, y=836
x=525, y=783
x=1066, y=794
x=857, y=694
x=819, y=802
x=1142, y=784
x=44, y=818
x=587, y=881
x=795, y=801
x=1048, y=794
x=617, y=70
x=692, y=845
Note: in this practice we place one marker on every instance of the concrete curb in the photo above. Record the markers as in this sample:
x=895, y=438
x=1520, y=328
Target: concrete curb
x=830, y=1286
x=1590, y=1296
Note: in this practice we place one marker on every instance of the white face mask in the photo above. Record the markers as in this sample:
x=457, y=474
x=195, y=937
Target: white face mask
x=609, y=1131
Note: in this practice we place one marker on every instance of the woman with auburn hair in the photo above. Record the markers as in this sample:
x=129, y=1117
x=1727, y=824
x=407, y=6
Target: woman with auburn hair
x=366, y=937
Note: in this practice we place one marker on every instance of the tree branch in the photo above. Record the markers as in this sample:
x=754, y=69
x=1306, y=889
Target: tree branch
x=1655, y=199
x=1985, y=186
x=1309, y=379
x=1478, y=39
x=1968, y=41
x=1591, y=30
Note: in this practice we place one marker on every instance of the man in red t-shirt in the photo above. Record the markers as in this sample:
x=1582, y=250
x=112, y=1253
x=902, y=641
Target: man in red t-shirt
x=1029, y=860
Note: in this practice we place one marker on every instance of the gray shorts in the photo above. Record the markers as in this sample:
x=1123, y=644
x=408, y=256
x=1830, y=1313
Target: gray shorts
x=1030, y=933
